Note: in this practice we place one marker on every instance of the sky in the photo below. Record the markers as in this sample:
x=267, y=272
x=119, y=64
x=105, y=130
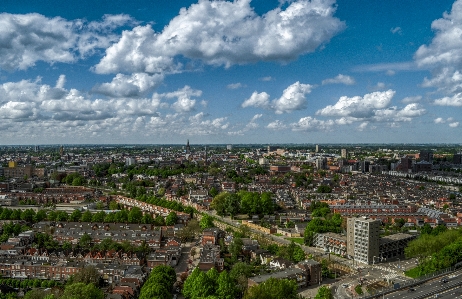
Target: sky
x=229, y=72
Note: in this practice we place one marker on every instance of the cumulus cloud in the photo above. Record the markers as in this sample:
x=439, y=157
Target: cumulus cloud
x=184, y=102
x=455, y=100
x=372, y=107
x=293, y=98
x=28, y=38
x=260, y=100
x=235, y=86
x=312, y=124
x=454, y=124
x=276, y=125
x=225, y=33
x=135, y=85
x=439, y=120
x=409, y=100
x=57, y=112
x=359, y=107
x=339, y=79
x=444, y=56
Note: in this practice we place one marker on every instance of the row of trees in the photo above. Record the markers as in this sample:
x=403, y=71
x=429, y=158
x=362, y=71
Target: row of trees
x=82, y=285
x=31, y=283
x=159, y=283
x=135, y=215
x=243, y=202
x=224, y=285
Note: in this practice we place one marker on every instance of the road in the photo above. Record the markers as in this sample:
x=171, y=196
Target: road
x=432, y=288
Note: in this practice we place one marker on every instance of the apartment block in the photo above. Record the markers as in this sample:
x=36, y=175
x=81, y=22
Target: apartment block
x=363, y=239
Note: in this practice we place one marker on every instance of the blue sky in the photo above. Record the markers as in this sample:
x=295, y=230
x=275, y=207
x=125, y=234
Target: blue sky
x=230, y=72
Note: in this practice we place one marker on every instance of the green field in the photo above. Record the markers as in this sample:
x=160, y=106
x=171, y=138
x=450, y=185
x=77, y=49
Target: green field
x=297, y=240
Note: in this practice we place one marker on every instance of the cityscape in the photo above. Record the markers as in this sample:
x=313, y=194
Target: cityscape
x=230, y=149
x=305, y=221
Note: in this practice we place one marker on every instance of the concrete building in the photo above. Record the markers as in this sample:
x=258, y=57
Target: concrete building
x=363, y=239
x=321, y=163
x=393, y=245
x=457, y=159
x=344, y=153
x=229, y=147
x=426, y=156
x=318, y=148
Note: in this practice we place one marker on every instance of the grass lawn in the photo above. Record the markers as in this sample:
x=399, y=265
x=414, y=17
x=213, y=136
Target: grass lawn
x=278, y=234
x=297, y=240
x=413, y=273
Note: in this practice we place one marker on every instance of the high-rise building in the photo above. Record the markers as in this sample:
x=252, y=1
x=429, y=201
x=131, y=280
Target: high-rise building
x=363, y=239
x=457, y=159
x=406, y=164
x=318, y=148
x=426, y=156
x=130, y=161
x=229, y=147
x=344, y=153
x=321, y=163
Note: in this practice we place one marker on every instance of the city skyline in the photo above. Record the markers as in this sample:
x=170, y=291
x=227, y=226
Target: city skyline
x=220, y=72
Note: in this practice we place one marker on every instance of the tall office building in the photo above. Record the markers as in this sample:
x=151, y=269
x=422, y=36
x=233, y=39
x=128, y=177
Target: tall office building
x=457, y=159
x=318, y=148
x=363, y=239
x=426, y=156
x=344, y=153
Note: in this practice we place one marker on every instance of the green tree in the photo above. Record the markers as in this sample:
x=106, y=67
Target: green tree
x=324, y=293
x=86, y=216
x=28, y=215
x=206, y=221
x=82, y=291
x=113, y=205
x=98, y=217
x=40, y=215
x=85, y=241
x=273, y=289
x=219, y=203
x=226, y=286
x=159, y=220
x=171, y=218
x=87, y=275
x=135, y=215
x=75, y=216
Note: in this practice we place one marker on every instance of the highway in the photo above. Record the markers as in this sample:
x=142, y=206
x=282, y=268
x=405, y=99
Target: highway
x=432, y=289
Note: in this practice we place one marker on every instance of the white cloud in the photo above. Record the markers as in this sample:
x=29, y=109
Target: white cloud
x=135, y=85
x=379, y=86
x=454, y=124
x=225, y=33
x=184, y=102
x=339, y=79
x=390, y=72
x=439, y=120
x=61, y=81
x=409, y=100
x=260, y=100
x=269, y=78
x=359, y=107
x=28, y=38
x=455, y=100
x=293, y=98
x=276, y=125
x=255, y=117
x=235, y=86
x=363, y=126
x=444, y=56
x=312, y=124
x=396, y=30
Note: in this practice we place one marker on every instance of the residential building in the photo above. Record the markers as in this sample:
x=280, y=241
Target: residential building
x=363, y=236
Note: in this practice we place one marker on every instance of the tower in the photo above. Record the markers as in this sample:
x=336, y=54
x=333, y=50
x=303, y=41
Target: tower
x=188, y=148
x=205, y=155
x=61, y=150
x=363, y=239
